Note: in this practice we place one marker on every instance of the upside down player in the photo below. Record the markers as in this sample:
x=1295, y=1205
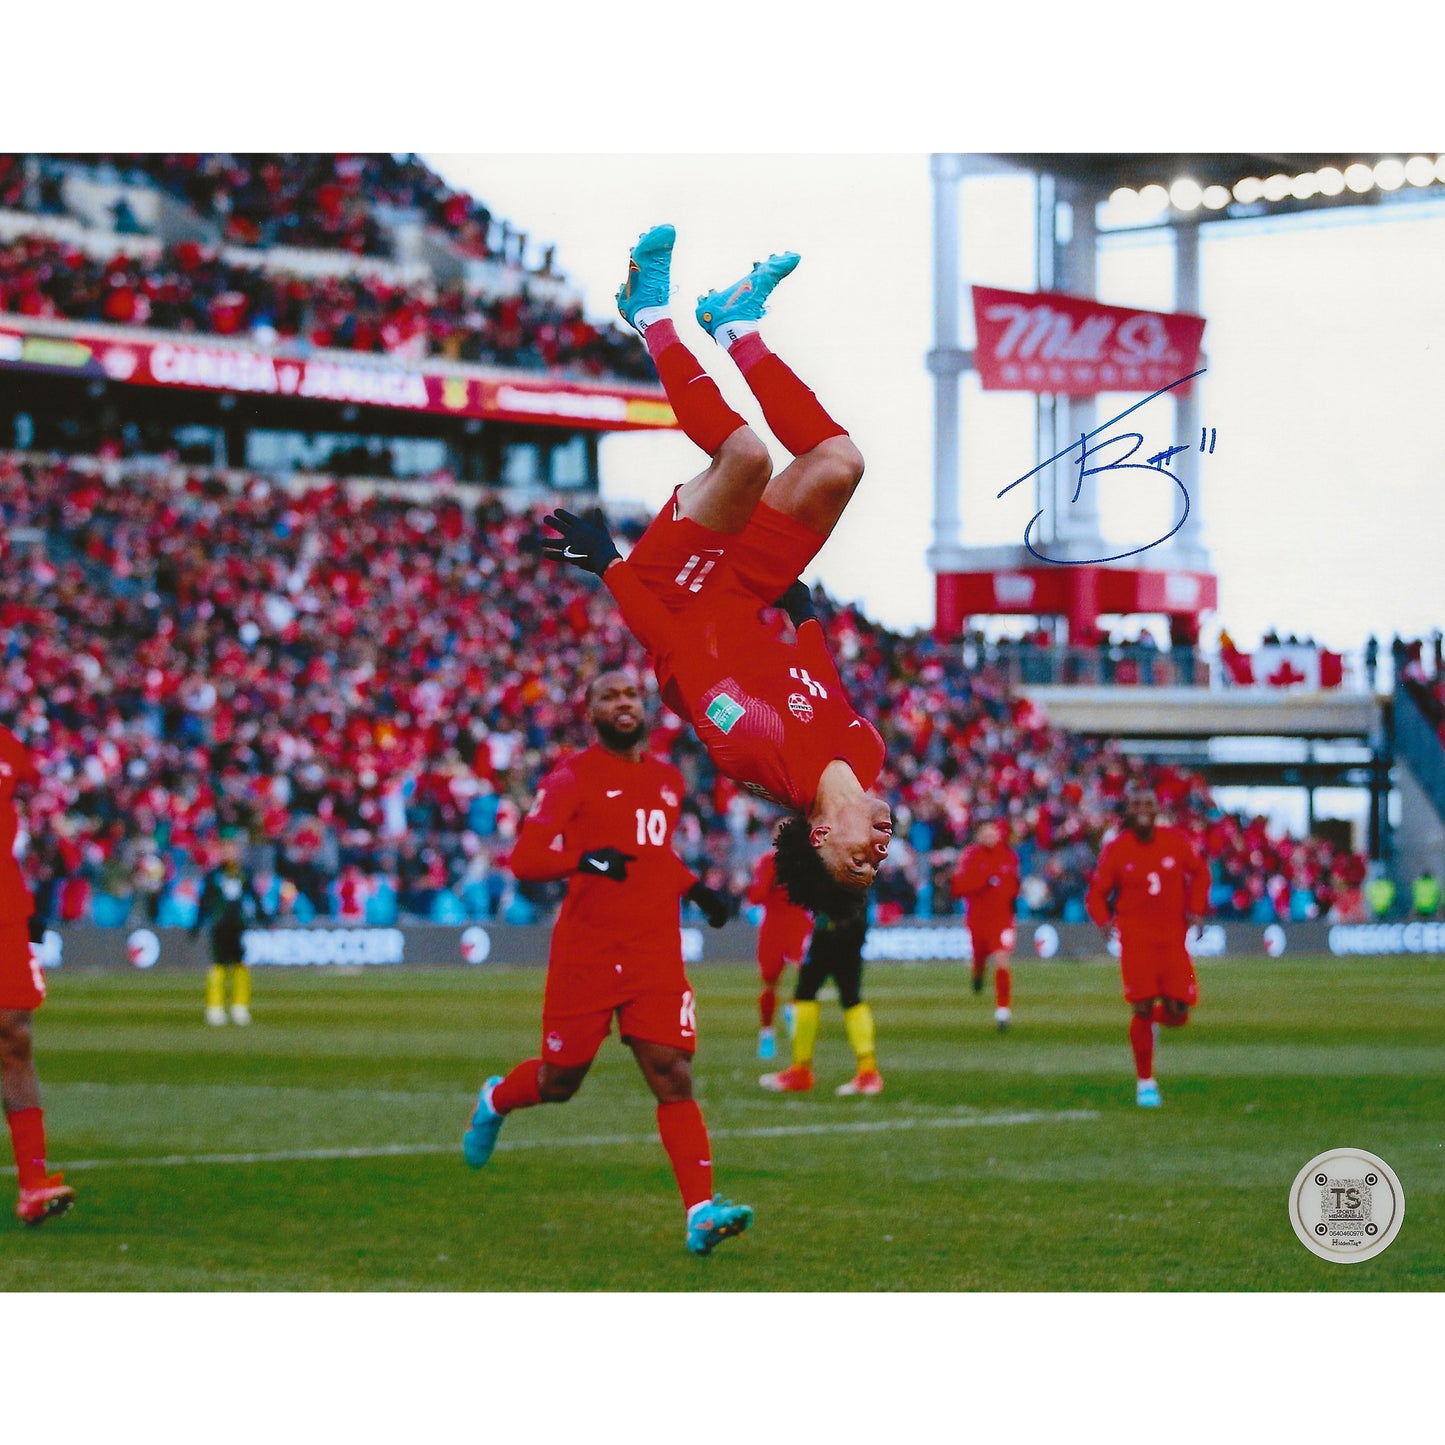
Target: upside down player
x=1152, y=883
x=987, y=876
x=782, y=939
x=604, y=819
x=731, y=541
x=836, y=952
x=22, y=990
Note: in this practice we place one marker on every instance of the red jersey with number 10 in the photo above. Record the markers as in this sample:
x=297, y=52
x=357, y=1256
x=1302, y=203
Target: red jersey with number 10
x=611, y=938
x=1150, y=888
x=16, y=904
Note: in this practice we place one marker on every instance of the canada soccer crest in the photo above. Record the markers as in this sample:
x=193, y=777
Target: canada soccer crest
x=800, y=707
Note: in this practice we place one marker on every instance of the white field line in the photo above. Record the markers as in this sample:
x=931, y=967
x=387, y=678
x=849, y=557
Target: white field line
x=587, y=1141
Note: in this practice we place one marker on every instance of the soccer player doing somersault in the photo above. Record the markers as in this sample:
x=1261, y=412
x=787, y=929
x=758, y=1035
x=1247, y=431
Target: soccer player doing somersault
x=772, y=714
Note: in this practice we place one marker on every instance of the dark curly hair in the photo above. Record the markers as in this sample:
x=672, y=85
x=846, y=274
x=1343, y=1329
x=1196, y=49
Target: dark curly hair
x=805, y=877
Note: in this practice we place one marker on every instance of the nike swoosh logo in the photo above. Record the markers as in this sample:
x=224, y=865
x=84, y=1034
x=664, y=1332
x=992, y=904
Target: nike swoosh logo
x=575, y=556
x=741, y=291
x=856, y=723
x=614, y=792
x=600, y=866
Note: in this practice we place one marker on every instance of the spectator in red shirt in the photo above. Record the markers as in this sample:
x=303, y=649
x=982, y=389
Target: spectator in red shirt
x=1150, y=886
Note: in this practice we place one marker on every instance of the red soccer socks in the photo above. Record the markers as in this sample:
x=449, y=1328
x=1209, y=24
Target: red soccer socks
x=684, y=1136
x=793, y=413
x=519, y=1089
x=698, y=404
x=27, y=1137
x=1141, y=1040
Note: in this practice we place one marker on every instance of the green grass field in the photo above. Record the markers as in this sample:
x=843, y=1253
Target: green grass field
x=318, y=1150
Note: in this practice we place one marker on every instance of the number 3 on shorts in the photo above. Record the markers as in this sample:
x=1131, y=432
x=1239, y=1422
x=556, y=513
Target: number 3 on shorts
x=37, y=970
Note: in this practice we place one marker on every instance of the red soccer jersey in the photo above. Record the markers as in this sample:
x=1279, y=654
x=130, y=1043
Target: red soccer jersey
x=611, y=939
x=16, y=904
x=989, y=879
x=771, y=714
x=1150, y=888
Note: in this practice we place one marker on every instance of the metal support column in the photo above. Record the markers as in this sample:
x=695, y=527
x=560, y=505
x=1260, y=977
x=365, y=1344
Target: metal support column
x=947, y=360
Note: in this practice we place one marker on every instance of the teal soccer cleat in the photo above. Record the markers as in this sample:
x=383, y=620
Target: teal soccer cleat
x=481, y=1138
x=745, y=300
x=709, y=1224
x=1146, y=1094
x=649, y=273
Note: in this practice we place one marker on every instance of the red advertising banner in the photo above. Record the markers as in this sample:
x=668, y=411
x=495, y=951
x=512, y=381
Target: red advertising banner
x=333, y=377
x=1048, y=342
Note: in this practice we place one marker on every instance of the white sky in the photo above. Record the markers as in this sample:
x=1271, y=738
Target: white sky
x=1325, y=342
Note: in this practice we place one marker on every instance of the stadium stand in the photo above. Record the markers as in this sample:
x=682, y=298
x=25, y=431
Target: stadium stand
x=372, y=686
x=294, y=252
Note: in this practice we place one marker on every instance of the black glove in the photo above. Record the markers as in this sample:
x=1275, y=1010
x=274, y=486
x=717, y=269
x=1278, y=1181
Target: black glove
x=606, y=863
x=585, y=541
x=717, y=907
x=797, y=602
x=37, y=928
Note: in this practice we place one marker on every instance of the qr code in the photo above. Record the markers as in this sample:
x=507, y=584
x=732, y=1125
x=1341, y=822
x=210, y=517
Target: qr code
x=1346, y=1202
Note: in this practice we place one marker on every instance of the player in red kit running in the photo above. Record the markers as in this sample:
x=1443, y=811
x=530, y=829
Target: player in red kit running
x=772, y=715
x=1153, y=885
x=782, y=939
x=604, y=819
x=987, y=877
x=22, y=990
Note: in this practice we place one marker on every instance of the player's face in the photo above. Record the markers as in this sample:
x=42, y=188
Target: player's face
x=1141, y=811
x=855, y=841
x=990, y=835
x=615, y=707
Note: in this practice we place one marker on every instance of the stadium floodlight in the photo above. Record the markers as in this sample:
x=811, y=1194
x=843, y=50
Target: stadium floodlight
x=1330, y=181
x=1125, y=198
x=1153, y=199
x=1389, y=175
x=1420, y=171
x=1186, y=194
x=1277, y=187
x=1440, y=168
x=1359, y=178
x=1304, y=186
x=1249, y=190
x=1216, y=197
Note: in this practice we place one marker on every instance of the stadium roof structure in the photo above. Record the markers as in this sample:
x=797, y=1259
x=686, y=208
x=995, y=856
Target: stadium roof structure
x=1257, y=182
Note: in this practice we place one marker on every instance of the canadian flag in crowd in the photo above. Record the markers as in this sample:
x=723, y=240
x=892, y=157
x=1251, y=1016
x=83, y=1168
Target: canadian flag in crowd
x=1286, y=665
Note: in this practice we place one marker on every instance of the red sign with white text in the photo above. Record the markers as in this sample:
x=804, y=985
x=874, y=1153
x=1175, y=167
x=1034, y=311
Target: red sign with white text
x=334, y=377
x=1069, y=345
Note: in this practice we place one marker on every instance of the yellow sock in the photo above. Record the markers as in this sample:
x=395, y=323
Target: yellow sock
x=858, y=1021
x=240, y=986
x=805, y=1032
x=216, y=987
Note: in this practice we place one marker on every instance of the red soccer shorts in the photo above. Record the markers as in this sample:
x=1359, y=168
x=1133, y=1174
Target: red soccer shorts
x=782, y=939
x=22, y=980
x=676, y=557
x=1158, y=968
x=661, y=1017
x=996, y=940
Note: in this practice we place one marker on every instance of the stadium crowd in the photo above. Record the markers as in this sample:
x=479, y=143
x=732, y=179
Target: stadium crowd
x=309, y=200
x=192, y=289
x=336, y=674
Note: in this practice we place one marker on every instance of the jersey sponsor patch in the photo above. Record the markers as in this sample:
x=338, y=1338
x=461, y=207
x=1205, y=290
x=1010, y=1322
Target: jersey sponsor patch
x=724, y=711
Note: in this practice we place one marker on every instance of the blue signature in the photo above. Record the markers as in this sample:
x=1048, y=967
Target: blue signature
x=1158, y=464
